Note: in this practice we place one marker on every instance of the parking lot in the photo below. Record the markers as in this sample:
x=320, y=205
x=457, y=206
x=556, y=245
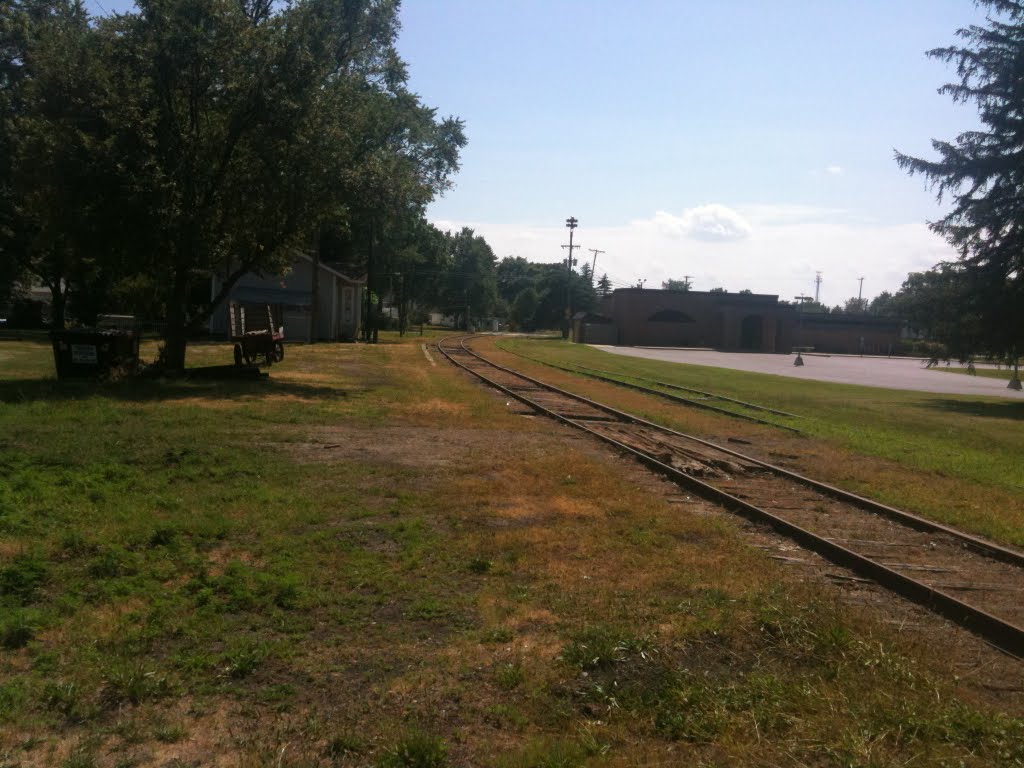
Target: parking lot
x=893, y=373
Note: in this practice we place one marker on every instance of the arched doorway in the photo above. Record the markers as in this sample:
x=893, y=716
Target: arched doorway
x=751, y=333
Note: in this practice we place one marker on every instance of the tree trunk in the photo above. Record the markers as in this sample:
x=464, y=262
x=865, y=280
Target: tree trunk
x=379, y=313
x=1015, y=379
x=369, y=327
x=58, y=306
x=315, y=291
x=172, y=353
x=402, y=310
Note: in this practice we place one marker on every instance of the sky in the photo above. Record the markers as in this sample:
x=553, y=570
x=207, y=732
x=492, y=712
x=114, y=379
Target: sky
x=743, y=143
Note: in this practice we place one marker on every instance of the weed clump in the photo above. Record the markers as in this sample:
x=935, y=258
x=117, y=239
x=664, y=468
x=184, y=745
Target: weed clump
x=601, y=647
x=133, y=684
x=18, y=629
x=416, y=750
x=22, y=579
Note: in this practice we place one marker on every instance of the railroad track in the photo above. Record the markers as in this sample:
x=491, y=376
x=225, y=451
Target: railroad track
x=620, y=379
x=972, y=582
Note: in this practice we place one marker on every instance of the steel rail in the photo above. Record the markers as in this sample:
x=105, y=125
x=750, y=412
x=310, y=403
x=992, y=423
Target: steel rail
x=744, y=403
x=1003, y=635
x=608, y=374
x=592, y=373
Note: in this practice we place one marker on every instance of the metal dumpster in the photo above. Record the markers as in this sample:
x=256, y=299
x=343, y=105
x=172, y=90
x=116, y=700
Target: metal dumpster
x=90, y=352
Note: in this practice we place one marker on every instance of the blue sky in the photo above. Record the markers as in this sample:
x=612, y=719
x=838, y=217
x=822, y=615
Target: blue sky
x=743, y=142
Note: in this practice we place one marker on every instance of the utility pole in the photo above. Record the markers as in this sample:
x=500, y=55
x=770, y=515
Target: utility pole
x=594, y=265
x=571, y=223
x=860, y=290
x=686, y=281
x=817, y=286
x=640, y=283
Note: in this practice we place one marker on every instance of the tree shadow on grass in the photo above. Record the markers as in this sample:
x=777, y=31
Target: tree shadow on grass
x=1009, y=409
x=142, y=389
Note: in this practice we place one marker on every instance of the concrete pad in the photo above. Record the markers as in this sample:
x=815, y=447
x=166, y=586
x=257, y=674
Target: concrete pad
x=890, y=373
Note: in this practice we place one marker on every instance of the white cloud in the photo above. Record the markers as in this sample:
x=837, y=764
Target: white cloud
x=766, y=248
x=711, y=223
x=834, y=170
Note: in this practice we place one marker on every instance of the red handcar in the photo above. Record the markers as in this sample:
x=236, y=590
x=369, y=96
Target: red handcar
x=255, y=334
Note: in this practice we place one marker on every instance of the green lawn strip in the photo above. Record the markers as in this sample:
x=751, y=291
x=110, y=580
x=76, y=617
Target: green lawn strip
x=976, y=439
x=989, y=373
x=174, y=550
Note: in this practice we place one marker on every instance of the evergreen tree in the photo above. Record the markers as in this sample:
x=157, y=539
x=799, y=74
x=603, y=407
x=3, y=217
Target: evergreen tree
x=981, y=172
x=587, y=274
x=604, y=286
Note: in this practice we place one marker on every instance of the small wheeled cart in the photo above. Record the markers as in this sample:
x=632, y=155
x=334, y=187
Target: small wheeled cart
x=255, y=335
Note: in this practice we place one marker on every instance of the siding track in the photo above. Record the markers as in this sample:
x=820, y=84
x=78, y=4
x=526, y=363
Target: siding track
x=697, y=398
x=976, y=584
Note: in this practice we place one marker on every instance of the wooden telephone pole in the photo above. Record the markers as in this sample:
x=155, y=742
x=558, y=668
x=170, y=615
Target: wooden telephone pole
x=571, y=223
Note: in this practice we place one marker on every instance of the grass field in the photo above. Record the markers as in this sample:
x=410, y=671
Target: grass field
x=368, y=560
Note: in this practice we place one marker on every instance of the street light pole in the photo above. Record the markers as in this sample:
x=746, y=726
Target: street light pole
x=571, y=223
x=800, y=328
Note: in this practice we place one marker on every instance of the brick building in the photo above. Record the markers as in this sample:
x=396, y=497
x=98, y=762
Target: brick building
x=849, y=334
x=754, y=322
x=648, y=318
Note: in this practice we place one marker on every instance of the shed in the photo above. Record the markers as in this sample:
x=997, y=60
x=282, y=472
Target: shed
x=338, y=300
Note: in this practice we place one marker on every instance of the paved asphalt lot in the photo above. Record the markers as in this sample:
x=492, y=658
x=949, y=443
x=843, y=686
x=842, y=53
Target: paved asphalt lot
x=893, y=373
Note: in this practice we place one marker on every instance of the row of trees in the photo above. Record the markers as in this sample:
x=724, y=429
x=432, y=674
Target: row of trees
x=534, y=295
x=421, y=268
x=146, y=152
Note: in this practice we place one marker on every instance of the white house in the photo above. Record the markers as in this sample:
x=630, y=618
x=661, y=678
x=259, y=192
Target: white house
x=338, y=299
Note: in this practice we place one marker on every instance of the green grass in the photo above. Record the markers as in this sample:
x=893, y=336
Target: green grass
x=972, y=445
x=366, y=560
x=989, y=373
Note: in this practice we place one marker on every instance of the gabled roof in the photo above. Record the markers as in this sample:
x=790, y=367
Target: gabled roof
x=331, y=270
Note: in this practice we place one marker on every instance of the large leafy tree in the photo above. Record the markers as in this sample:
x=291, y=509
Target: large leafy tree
x=472, y=288
x=982, y=173
x=514, y=275
x=884, y=305
x=263, y=125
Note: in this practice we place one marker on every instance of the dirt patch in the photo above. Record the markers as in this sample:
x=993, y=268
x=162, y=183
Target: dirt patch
x=221, y=556
x=413, y=447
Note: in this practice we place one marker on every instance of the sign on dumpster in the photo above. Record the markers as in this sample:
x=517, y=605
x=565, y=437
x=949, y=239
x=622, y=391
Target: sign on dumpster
x=83, y=353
